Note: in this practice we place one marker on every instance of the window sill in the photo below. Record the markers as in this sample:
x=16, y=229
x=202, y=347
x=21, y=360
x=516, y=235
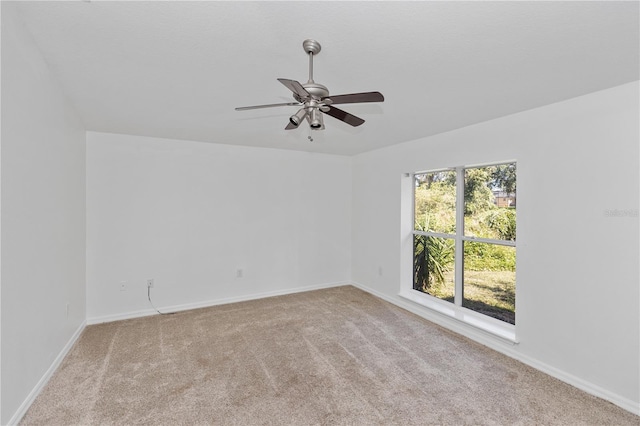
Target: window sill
x=490, y=325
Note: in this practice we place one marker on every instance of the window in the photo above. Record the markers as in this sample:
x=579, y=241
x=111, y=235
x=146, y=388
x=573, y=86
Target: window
x=464, y=238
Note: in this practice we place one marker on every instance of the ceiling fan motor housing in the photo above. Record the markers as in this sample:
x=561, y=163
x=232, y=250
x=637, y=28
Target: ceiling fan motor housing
x=317, y=91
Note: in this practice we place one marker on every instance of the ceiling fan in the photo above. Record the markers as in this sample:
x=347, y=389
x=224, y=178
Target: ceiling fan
x=315, y=100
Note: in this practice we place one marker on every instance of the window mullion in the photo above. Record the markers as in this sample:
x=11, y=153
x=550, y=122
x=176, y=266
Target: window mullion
x=433, y=234
x=490, y=241
x=459, y=252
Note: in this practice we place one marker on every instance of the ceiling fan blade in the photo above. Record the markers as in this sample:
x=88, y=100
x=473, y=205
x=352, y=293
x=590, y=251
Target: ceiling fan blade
x=296, y=88
x=344, y=116
x=355, y=98
x=268, y=106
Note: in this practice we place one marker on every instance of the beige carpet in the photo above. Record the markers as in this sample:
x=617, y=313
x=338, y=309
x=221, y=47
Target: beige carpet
x=335, y=356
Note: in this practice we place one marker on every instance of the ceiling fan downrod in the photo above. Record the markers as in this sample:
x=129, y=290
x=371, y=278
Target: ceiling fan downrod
x=312, y=47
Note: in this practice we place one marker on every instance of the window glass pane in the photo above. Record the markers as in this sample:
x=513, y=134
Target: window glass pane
x=490, y=280
x=490, y=202
x=435, y=202
x=433, y=266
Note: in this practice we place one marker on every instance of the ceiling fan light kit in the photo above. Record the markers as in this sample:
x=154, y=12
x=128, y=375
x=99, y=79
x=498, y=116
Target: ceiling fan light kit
x=297, y=118
x=315, y=100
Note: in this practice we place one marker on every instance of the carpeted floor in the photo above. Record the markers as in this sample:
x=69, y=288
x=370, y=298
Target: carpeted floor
x=334, y=356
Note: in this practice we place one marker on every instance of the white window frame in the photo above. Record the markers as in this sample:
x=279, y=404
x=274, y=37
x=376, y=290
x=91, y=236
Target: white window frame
x=454, y=310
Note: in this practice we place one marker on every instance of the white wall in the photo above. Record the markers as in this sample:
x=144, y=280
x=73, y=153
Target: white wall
x=43, y=218
x=190, y=214
x=577, y=285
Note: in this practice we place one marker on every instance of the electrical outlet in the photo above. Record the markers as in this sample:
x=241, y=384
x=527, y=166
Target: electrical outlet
x=123, y=285
x=150, y=283
x=239, y=273
x=67, y=310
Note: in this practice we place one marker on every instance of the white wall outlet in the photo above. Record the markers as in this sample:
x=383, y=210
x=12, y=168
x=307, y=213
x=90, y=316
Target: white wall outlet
x=67, y=310
x=123, y=285
x=239, y=273
x=380, y=270
x=150, y=283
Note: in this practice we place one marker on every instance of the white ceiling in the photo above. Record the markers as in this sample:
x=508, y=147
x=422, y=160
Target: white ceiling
x=177, y=69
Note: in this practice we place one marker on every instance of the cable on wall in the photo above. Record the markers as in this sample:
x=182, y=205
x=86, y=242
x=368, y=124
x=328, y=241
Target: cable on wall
x=149, y=297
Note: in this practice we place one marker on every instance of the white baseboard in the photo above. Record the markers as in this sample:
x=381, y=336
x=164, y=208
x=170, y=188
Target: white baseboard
x=209, y=303
x=22, y=410
x=507, y=349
